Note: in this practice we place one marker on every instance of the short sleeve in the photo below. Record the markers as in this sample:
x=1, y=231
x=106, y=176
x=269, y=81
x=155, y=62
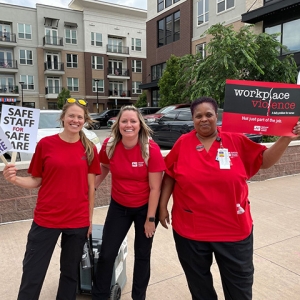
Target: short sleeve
x=94, y=167
x=156, y=161
x=103, y=158
x=36, y=165
x=172, y=157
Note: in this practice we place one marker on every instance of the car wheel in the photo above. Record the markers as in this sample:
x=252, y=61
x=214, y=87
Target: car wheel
x=96, y=126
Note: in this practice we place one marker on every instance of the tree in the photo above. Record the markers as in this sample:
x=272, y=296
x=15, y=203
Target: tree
x=241, y=55
x=142, y=101
x=61, y=99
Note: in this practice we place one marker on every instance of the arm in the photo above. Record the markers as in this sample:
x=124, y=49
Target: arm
x=273, y=154
x=155, y=186
x=91, y=195
x=28, y=182
x=166, y=192
x=101, y=177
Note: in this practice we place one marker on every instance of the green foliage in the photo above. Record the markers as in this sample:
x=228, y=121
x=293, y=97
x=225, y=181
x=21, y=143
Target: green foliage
x=61, y=99
x=240, y=55
x=142, y=101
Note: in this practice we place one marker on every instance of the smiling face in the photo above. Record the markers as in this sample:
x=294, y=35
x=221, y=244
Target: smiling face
x=129, y=124
x=73, y=119
x=205, y=119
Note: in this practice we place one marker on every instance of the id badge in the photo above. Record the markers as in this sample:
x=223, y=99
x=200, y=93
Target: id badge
x=223, y=158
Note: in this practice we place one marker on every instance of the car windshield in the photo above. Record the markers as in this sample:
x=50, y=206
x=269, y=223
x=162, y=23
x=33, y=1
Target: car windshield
x=49, y=120
x=166, y=109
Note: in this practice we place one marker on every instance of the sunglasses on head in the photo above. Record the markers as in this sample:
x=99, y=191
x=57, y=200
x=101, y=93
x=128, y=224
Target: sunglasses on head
x=80, y=101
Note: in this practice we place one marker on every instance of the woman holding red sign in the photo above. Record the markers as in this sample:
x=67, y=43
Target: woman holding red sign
x=211, y=210
x=63, y=167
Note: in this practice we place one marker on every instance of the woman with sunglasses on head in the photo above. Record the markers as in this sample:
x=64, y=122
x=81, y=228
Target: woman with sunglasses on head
x=63, y=167
x=136, y=167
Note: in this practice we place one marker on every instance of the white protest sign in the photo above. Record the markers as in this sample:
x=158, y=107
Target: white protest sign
x=298, y=79
x=20, y=125
x=5, y=145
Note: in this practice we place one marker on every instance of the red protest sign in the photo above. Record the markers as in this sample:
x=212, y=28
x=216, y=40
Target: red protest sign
x=268, y=108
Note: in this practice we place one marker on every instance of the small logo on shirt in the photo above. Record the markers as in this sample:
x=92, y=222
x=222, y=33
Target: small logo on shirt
x=137, y=164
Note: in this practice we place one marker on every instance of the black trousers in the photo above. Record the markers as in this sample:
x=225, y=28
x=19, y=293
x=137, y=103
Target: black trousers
x=39, y=249
x=118, y=221
x=235, y=262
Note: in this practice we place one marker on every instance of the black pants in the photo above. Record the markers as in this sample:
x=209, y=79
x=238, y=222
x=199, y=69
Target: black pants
x=39, y=249
x=118, y=221
x=235, y=262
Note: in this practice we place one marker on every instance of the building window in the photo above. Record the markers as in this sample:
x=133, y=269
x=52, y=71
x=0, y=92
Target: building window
x=169, y=29
x=136, y=66
x=72, y=60
x=203, y=6
x=52, y=105
x=160, y=5
x=155, y=97
x=100, y=85
x=288, y=36
x=136, y=87
x=29, y=104
x=28, y=82
x=168, y=3
x=223, y=5
x=96, y=39
x=97, y=62
x=157, y=71
x=136, y=44
x=26, y=57
x=200, y=48
x=71, y=36
x=176, y=1
x=72, y=84
x=24, y=31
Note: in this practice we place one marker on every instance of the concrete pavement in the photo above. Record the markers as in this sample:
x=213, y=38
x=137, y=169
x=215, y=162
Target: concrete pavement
x=276, y=212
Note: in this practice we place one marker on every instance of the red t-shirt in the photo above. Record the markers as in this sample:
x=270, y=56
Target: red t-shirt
x=205, y=196
x=63, y=196
x=130, y=181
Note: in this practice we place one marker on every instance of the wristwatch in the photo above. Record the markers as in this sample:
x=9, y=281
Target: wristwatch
x=151, y=219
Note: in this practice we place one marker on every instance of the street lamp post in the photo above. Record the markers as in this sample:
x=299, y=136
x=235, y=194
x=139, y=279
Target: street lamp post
x=97, y=80
x=22, y=83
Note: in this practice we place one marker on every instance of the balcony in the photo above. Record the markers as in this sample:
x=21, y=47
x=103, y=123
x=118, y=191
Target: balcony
x=53, y=42
x=9, y=90
x=118, y=72
x=8, y=66
x=52, y=92
x=115, y=94
x=54, y=68
x=7, y=39
x=117, y=50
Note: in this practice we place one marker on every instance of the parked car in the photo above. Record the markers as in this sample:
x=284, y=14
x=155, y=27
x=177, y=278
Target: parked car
x=144, y=111
x=156, y=116
x=49, y=124
x=103, y=117
x=172, y=125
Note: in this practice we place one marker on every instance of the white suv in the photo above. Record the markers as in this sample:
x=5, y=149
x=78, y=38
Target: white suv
x=49, y=124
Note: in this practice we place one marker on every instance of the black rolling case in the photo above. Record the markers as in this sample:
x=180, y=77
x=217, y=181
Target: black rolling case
x=86, y=275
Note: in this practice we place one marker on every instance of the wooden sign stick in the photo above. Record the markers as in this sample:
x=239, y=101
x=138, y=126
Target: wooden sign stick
x=3, y=159
x=13, y=157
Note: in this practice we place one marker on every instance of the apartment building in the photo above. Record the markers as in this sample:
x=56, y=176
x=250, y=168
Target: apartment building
x=96, y=50
x=178, y=26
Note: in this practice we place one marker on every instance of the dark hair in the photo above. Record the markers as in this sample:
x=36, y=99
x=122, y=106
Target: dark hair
x=201, y=100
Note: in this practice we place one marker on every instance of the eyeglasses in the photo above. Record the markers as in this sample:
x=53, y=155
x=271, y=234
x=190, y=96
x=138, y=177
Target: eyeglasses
x=80, y=101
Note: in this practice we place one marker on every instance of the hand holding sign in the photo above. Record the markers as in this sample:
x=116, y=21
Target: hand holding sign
x=5, y=145
x=20, y=125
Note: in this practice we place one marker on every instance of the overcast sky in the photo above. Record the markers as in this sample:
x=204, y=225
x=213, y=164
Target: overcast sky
x=64, y=3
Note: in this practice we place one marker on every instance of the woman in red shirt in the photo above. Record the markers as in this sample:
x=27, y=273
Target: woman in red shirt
x=63, y=167
x=211, y=210
x=136, y=167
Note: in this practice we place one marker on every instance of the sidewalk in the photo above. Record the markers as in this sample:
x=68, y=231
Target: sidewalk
x=276, y=212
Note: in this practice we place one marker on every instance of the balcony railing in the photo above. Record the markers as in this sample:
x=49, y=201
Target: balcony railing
x=119, y=93
x=118, y=71
x=54, y=66
x=53, y=40
x=8, y=64
x=52, y=90
x=9, y=89
x=117, y=49
x=7, y=37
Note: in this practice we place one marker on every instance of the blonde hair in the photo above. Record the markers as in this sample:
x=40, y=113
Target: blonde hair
x=87, y=144
x=143, y=136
